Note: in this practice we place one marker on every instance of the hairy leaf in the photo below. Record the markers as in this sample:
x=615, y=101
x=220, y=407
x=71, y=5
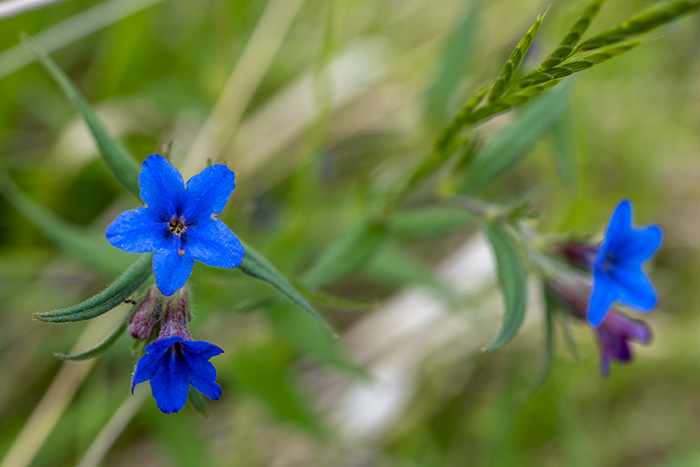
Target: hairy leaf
x=511, y=277
x=98, y=349
x=257, y=266
x=109, y=298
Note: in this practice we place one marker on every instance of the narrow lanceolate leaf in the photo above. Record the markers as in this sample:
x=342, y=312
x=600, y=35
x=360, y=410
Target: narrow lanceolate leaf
x=255, y=265
x=324, y=298
x=641, y=23
x=568, y=44
x=109, y=298
x=513, y=143
x=120, y=161
x=98, y=349
x=88, y=246
x=550, y=308
x=575, y=64
x=348, y=252
x=455, y=61
x=511, y=277
x=513, y=63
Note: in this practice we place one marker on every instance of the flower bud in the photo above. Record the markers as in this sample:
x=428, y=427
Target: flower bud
x=145, y=315
x=176, y=317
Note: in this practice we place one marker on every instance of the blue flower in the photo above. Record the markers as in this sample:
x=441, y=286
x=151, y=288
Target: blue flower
x=173, y=364
x=613, y=335
x=617, y=270
x=178, y=222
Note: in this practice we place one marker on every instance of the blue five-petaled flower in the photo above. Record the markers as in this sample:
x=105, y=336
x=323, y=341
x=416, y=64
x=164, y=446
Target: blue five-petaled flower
x=617, y=270
x=178, y=222
x=173, y=364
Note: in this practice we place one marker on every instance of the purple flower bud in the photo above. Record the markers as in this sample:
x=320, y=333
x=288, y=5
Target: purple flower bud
x=578, y=254
x=145, y=315
x=613, y=335
x=176, y=317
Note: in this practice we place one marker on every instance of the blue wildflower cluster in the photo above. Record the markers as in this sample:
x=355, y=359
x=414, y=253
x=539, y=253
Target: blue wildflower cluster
x=615, y=277
x=178, y=226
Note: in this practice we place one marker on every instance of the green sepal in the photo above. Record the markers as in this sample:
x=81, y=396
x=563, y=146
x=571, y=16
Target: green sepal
x=98, y=349
x=118, y=158
x=511, y=278
x=109, y=298
x=257, y=266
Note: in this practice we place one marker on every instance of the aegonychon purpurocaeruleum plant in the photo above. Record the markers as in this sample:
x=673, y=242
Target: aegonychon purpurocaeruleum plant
x=176, y=224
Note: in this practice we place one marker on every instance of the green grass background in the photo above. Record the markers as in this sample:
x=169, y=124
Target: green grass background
x=631, y=129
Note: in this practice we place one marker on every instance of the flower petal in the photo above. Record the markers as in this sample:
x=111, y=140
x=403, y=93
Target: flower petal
x=641, y=244
x=170, y=385
x=634, y=288
x=136, y=231
x=149, y=363
x=203, y=348
x=213, y=243
x=170, y=268
x=602, y=297
x=209, y=388
x=162, y=187
x=208, y=192
x=619, y=226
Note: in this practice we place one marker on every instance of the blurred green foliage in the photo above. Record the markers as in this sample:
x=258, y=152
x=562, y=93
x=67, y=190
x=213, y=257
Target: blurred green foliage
x=317, y=152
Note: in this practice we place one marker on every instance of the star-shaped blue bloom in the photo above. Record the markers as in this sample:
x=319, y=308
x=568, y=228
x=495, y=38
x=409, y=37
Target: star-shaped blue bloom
x=173, y=364
x=178, y=222
x=617, y=271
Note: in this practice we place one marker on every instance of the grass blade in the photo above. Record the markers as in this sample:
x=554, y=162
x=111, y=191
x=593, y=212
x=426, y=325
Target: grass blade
x=511, y=277
x=89, y=247
x=109, y=298
x=117, y=157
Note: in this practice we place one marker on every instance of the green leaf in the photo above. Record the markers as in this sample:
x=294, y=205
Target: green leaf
x=429, y=222
x=327, y=299
x=568, y=44
x=564, y=148
x=294, y=329
x=550, y=308
x=641, y=23
x=255, y=265
x=98, y=349
x=119, y=160
x=513, y=63
x=456, y=58
x=198, y=403
x=109, y=298
x=348, y=252
x=262, y=369
x=511, y=277
x=513, y=143
x=90, y=247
